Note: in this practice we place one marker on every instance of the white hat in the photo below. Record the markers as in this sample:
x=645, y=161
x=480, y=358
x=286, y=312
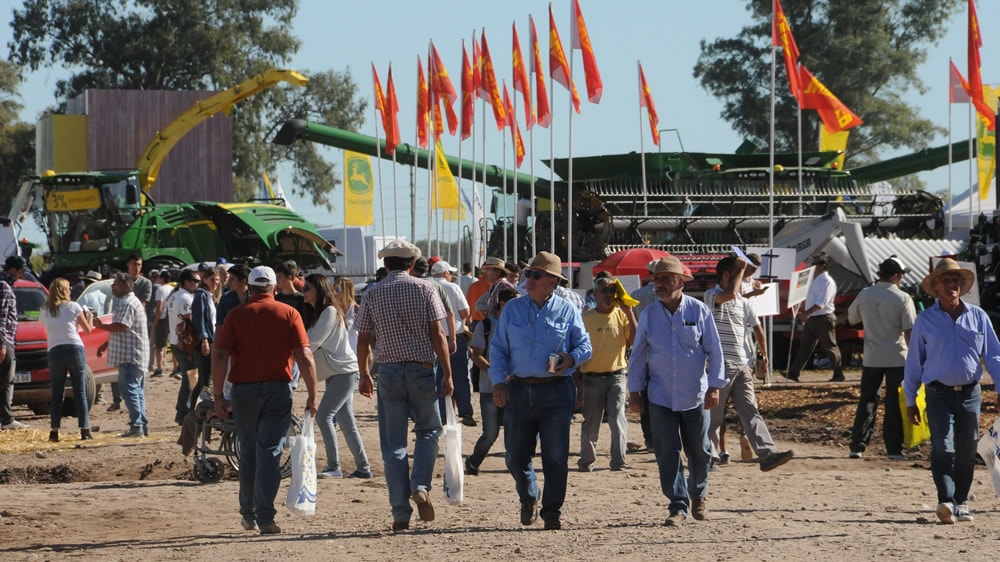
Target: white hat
x=399, y=248
x=441, y=266
x=262, y=276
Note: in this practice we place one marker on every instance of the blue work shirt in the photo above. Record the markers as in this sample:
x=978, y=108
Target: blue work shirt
x=950, y=352
x=525, y=336
x=670, y=354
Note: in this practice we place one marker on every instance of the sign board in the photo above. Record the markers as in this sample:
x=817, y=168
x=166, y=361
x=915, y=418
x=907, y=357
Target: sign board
x=775, y=263
x=766, y=304
x=798, y=285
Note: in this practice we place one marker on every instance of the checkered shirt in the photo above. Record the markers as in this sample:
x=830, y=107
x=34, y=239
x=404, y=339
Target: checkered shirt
x=8, y=311
x=398, y=312
x=132, y=345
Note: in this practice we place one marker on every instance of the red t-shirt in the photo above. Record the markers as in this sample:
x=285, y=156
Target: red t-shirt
x=262, y=336
x=479, y=288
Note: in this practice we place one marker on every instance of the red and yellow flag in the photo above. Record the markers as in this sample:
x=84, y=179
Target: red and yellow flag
x=442, y=89
x=580, y=39
x=544, y=115
x=958, y=88
x=835, y=115
x=646, y=100
x=521, y=80
x=515, y=129
x=379, y=96
x=477, y=72
x=975, y=70
x=490, y=83
x=391, y=116
x=423, y=105
x=468, y=94
x=558, y=65
x=781, y=35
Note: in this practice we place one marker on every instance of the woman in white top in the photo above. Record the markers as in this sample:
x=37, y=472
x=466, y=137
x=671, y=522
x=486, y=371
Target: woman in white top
x=337, y=364
x=63, y=318
x=344, y=289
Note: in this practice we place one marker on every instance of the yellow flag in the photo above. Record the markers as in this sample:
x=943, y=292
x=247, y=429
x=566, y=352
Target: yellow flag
x=987, y=145
x=834, y=141
x=446, y=189
x=359, y=189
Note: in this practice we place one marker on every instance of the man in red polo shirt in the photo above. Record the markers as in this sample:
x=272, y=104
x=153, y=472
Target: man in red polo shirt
x=260, y=338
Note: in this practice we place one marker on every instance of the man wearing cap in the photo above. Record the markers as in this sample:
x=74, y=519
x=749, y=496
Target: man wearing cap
x=888, y=315
x=818, y=323
x=675, y=342
x=950, y=343
x=256, y=346
x=404, y=314
x=13, y=270
x=442, y=273
x=536, y=388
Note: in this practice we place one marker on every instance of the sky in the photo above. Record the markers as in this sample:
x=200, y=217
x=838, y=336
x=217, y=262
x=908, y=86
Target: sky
x=663, y=35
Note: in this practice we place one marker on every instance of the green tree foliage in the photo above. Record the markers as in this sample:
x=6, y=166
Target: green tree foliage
x=17, y=139
x=867, y=52
x=194, y=45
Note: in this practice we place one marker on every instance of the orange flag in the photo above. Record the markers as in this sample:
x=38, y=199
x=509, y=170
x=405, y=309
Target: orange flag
x=468, y=94
x=477, y=72
x=391, y=116
x=442, y=89
x=515, y=129
x=544, y=116
x=958, y=88
x=379, y=96
x=521, y=81
x=781, y=35
x=975, y=70
x=558, y=65
x=835, y=115
x=646, y=100
x=580, y=39
x=423, y=105
x=490, y=83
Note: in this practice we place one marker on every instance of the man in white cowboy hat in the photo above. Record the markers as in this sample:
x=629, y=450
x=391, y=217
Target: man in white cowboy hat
x=404, y=313
x=674, y=342
x=888, y=315
x=538, y=392
x=950, y=343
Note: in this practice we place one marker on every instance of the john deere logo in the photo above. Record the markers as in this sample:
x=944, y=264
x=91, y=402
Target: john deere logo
x=359, y=177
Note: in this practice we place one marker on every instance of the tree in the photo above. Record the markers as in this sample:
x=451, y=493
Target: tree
x=194, y=45
x=866, y=51
x=17, y=139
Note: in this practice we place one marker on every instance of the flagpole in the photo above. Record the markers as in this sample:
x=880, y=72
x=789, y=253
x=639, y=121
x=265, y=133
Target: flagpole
x=642, y=143
x=513, y=135
x=552, y=161
x=569, y=192
x=951, y=199
x=378, y=153
x=506, y=219
x=531, y=163
x=770, y=199
x=971, y=119
x=474, y=247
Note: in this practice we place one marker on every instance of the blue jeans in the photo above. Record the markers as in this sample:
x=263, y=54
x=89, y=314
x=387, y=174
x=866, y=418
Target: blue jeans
x=953, y=417
x=492, y=418
x=337, y=407
x=671, y=430
x=545, y=411
x=405, y=390
x=130, y=379
x=462, y=393
x=262, y=413
x=72, y=359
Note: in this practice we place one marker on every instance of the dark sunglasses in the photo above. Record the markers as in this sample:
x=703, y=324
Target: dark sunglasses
x=536, y=275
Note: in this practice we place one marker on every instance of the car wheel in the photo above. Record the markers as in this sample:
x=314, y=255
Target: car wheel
x=90, y=385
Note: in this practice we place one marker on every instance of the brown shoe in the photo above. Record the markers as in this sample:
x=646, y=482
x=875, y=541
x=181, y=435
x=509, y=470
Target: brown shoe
x=529, y=513
x=699, y=509
x=675, y=520
x=424, y=507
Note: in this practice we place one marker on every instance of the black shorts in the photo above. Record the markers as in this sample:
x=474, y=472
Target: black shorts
x=160, y=338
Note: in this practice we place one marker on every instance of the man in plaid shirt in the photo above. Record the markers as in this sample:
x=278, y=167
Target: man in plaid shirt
x=12, y=271
x=128, y=348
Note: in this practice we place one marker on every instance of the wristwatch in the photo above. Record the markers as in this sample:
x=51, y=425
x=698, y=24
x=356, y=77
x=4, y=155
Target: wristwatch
x=219, y=396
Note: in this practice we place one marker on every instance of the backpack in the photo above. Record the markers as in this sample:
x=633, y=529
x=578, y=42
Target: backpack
x=185, y=334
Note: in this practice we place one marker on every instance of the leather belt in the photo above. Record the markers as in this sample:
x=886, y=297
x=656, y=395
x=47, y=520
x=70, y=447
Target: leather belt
x=608, y=374
x=537, y=380
x=955, y=388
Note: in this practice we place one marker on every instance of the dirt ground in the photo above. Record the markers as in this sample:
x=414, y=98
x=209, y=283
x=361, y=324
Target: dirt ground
x=118, y=499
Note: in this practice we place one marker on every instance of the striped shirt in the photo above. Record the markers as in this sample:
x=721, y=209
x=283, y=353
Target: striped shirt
x=735, y=320
x=398, y=312
x=132, y=345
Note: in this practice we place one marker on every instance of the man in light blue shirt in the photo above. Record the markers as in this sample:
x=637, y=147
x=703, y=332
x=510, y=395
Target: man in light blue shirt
x=538, y=402
x=950, y=342
x=675, y=341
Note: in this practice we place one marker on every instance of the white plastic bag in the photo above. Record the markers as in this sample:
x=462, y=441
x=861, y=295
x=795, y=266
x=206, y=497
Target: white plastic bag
x=454, y=472
x=989, y=449
x=302, y=489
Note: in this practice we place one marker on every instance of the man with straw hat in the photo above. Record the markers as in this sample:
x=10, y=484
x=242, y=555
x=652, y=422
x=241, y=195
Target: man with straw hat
x=674, y=342
x=950, y=342
x=536, y=344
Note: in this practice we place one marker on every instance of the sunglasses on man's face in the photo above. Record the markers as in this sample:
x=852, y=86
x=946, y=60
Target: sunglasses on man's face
x=536, y=275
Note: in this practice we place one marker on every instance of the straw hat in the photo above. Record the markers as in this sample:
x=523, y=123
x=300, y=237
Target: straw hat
x=671, y=264
x=948, y=265
x=496, y=263
x=547, y=262
x=399, y=248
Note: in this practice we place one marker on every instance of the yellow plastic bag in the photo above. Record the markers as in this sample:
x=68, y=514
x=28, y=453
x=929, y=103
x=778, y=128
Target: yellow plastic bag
x=914, y=435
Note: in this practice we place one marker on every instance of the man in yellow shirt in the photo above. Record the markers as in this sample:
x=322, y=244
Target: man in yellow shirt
x=602, y=378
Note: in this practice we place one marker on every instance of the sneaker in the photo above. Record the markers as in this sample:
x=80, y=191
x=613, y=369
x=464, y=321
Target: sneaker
x=675, y=520
x=114, y=407
x=54, y=436
x=363, y=474
x=270, y=528
x=962, y=513
x=471, y=470
x=553, y=524
x=468, y=420
x=855, y=455
x=529, y=513
x=633, y=447
x=159, y=373
x=836, y=378
x=896, y=457
x=133, y=432
x=620, y=468
x=424, y=507
x=248, y=524
x=746, y=451
x=175, y=375
x=724, y=458
x=398, y=526
x=329, y=473
x=85, y=435
x=946, y=513
x=774, y=460
x=699, y=509
x=14, y=424
x=585, y=468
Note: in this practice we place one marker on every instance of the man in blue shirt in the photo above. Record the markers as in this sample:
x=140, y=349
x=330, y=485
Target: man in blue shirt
x=950, y=342
x=539, y=402
x=675, y=341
